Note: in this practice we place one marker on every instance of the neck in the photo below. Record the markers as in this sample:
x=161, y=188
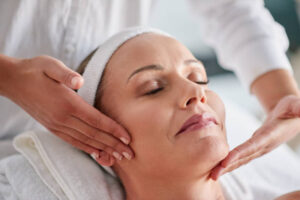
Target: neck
x=198, y=189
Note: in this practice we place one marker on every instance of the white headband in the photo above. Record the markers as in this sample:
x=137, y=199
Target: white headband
x=93, y=71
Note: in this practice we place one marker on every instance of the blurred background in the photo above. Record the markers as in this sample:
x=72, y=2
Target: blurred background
x=179, y=21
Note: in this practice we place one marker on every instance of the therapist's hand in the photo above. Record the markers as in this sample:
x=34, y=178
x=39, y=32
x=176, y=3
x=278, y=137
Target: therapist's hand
x=282, y=124
x=43, y=86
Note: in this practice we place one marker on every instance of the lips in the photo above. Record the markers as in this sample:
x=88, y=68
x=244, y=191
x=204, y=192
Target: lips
x=197, y=121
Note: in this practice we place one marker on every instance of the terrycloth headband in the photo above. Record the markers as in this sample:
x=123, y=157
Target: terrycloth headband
x=93, y=71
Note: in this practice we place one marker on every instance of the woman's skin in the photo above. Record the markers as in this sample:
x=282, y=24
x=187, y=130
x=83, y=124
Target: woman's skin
x=166, y=166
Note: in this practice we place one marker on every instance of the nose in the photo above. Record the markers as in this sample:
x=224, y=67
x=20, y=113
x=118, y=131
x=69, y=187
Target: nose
x=193, y=95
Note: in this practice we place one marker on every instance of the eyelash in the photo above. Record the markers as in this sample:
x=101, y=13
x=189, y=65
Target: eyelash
x=159, y=89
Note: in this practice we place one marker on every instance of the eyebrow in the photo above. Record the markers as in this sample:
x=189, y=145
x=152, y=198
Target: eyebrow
x=159, y=67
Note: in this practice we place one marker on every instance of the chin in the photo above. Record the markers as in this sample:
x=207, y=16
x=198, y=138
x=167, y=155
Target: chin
x=211, y=151
x=219, y=149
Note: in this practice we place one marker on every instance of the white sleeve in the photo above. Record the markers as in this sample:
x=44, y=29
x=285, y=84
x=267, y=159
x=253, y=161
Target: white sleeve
x=245, y=37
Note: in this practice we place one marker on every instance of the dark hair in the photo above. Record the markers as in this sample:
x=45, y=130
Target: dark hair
x=80, y=69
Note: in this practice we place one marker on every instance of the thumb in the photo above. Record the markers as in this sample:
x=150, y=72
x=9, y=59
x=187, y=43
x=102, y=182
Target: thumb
x=59, y=72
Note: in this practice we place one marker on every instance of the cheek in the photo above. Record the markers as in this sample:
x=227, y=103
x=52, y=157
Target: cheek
x=216, y=104
x=148, y=126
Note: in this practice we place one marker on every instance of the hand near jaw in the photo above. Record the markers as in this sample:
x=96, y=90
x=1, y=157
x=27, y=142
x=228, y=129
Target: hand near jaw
x=282, y=124
x=43, y=87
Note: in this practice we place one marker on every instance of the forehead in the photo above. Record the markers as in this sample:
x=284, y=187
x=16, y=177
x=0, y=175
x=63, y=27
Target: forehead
x=147, y=49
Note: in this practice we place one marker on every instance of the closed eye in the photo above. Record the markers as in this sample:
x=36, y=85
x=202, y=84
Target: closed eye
x=202, y=82
x=154, y=91
x=161, y=88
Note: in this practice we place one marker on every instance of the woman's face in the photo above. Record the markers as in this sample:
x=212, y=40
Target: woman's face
x=150, y=87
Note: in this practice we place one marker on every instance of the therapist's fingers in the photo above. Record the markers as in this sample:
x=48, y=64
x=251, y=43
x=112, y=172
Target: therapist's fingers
x=96, y=119
x=89, y=121
x=105, y=159
x=281, y=125
x=100, y=156
x=240, y=155
x=56, y=70
x=263, y=141
x=251, y=146
x=39, y=86
x=219, y=170
x=86, y=148
x=101, y=140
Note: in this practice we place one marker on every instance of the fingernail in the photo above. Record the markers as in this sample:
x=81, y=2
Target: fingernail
x=95, y=155
x=127, y=155
x=75, y=80
x=126, y=141
x=117, y=155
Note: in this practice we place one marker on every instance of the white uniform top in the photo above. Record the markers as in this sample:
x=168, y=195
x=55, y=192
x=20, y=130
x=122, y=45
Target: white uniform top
x=243, y=33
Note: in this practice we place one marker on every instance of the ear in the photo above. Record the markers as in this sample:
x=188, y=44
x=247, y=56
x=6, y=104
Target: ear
x=105, y=159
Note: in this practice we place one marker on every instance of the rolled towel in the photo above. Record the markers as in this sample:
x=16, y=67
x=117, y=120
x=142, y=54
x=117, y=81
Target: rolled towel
x=68, y=172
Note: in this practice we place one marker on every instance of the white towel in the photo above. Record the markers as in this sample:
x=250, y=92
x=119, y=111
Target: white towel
x=69, y=173
x=19, y=181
